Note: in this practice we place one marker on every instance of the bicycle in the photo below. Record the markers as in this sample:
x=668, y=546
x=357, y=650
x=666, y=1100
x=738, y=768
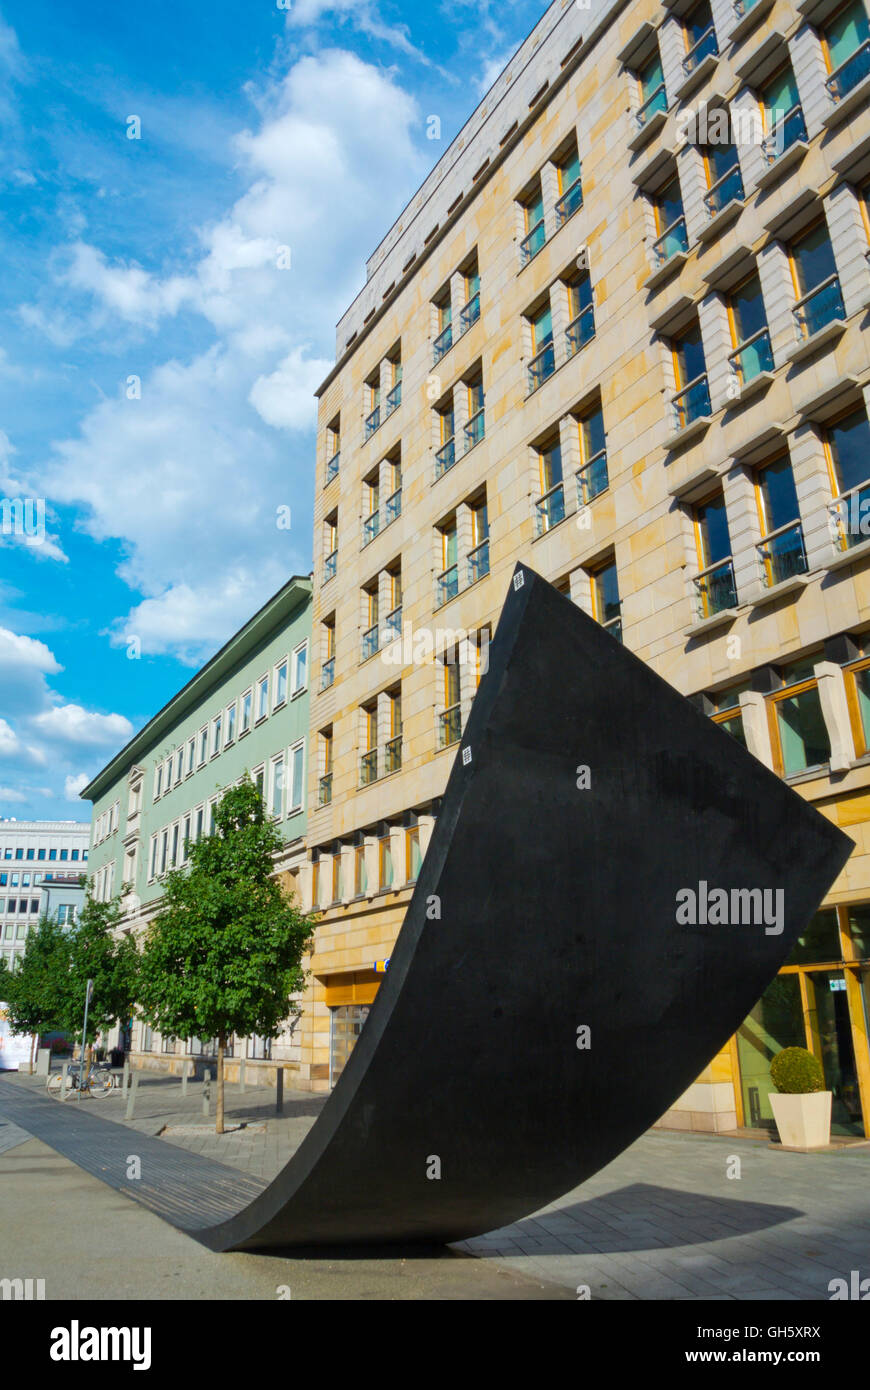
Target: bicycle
x=97, y=1081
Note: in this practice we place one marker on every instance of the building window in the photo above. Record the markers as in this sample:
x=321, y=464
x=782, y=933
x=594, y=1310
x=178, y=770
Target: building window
x=413, y=855
x=478, y=558
x=651, y=90
x=191, y=756
x=846, y=46
x=781, y=551
x=847, y=444
x=699, y=37
x=230, y=723
x=447, y=582
x=450, y=717
x=259, y=776
x=371, y=506
x=714, y=583
x=299, y=678
x=247, y=706
x=724, y=180
x=606, y=604
x=392, y=627
x=327, y=670
x=369, y=758
x=330, y=547
x=671, y=235
x=816, y=282
x=276, y=787
x=216, y=726
x=315, y=883
x=550, y=506
x=474, y=429
x=799, y=735
x=337, y=877
x=262, y=698
x=372, y=406
x=333, y=449
x=750, y=336
x=360, y=873
x=570, y=186
x=470, y=311
x=297, y=777
x=592, y=477
x=581, y=313
x=781, y=113
x=385, y=862
x=692, y=399
x=326, y=765
x=543, y=363
x=535, y=231
x=370, y=622
x=393, y=749
x=158, y=786
x=858, y=695
x=203, y=745
x=164, y=851
x=279, y=689
x=443, y=325
x=445, y=453
x=394, y=368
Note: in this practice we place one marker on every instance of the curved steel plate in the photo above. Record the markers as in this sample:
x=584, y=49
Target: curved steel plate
x=547, y=906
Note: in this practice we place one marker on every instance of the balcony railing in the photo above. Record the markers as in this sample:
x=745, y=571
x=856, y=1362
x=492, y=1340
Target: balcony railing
x=592, y=479
x=715, y=589
x=782, y=554
x=394, y=398
x=445, y=457
x=742, y=7
x=673, y=240
x=442, y=344
x=570, y=202
x=446, y=586
x=326, y=789
x=393, y=755
x=752, y=357
x=478, y=562
x=330, y=565
x=368, y=767
x=469, y=313
x=700, y=50
x=373, y=421
x=656, y=101
x=369, y=643
x=449, y=726
x=820, y=307
x=393, y=506
x=533, y=242
x=724, y=191
x=474, y=430
x=847, y=76
x=332, y=467
x=542, y=366
x=371, y=527
x=581, y=330
x=850, y=517
x=550, y=509
x=614, y=625
x=691, y=403
x=327, y=673
x=392, y=626
x=790, y=128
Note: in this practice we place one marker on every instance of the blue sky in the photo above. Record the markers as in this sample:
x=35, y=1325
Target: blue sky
x=157, y=365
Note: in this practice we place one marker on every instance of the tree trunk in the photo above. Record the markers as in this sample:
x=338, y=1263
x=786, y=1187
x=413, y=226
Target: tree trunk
x=32, y=1041
x=219, y=1110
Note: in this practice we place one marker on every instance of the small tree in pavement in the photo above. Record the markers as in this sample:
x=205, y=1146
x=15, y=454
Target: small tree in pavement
x=99, y=952
x=35, y=993
x=223, y=954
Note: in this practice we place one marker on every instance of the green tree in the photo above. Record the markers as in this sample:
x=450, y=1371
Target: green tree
x=36, y=993
x=98, y=951
x=223, y=954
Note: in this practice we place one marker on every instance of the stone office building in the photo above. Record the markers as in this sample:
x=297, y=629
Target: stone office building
x=246, y=710
x=41, y=863
x=608, y=340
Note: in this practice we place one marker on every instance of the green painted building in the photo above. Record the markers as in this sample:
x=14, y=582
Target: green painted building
x=246, y=710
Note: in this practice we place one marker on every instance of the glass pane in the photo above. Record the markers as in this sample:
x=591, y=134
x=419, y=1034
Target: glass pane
x=819, y=941
x=720, y=158
x=813, y=258
x=607, y=594
x=859, y=930
x=780, y=95
x=551, y=466
x=778, y=494
x=542, y=329
x=850, y=450
x=775, y=1022
x=592, y=435
x=748, y=307
x=846, y=32
x=296, y=790
x=690, y=355
x=713, y=527
x=698, y=22
x=651, y=77
x=570, y=172
x=534, y=211
x=832, y=1035
x=670, y=204
x=802, y=732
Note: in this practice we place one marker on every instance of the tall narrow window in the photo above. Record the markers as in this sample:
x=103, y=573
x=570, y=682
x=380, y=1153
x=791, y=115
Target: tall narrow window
x=385, y=861
x=581, y=314
x=326, y=763
x=781, y=552
x=262, y=697
x=535, y=231
x=543, y=363
x=749, y=332
x=276, y=788
x=393, y=750
x=651, y=89
x=247, y=703
x=714, y=584
x=570, y=187
x=592, y=477
x=360, y=874
x=300, y=669
x=478, y=559
x=692, y=399
x=800, y=736
x=474, y=429
x=371, y=507
x=297, y=772
x=550, y=507
x=846, y=44
x=279, y=688
x=443, y=325
x=447, y=585
x=231, y=722
x=671, y=234
x=605, y=599
x=369, y=759
x=816, y=282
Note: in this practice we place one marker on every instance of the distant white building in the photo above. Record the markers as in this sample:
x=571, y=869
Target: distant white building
x=40, y=864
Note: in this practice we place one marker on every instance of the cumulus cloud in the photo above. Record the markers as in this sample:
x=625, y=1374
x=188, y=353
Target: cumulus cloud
x=190, y=477
x=73, y=786
x=75, y=725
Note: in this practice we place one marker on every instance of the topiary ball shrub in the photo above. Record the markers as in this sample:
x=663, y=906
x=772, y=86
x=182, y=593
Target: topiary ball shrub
x=796, y=1072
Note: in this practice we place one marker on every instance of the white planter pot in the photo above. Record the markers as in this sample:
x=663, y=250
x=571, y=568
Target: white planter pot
x=804, y=1122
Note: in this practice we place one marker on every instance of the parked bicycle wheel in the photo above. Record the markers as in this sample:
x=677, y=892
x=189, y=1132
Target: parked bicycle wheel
x=100, y=1083
x=53, y=1084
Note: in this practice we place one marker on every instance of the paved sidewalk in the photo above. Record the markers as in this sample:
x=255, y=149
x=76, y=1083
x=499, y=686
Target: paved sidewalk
x=663, y=1221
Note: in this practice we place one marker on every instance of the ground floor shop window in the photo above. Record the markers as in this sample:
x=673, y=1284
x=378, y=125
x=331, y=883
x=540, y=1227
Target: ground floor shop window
x=345, y=1025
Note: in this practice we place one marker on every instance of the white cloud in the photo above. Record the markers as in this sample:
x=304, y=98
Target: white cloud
x=75, y=725
x=8, y=740
x=18, y=653
x=364, y=16
x=189, y=478
x=74, y=785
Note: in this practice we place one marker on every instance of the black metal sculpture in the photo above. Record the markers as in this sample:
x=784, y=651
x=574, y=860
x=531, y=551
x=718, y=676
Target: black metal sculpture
x=611, y=884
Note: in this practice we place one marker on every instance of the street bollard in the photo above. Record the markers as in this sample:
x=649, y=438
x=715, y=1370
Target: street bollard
x=241, y=1075
x=125, y=1078
x=64, y=1072
x=206, y=1091
x=279, y=1099
x=184, y=1066
x=131, y=1095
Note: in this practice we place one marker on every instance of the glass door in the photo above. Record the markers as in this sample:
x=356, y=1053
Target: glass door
x=830, y=1027
x=345, y=1025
